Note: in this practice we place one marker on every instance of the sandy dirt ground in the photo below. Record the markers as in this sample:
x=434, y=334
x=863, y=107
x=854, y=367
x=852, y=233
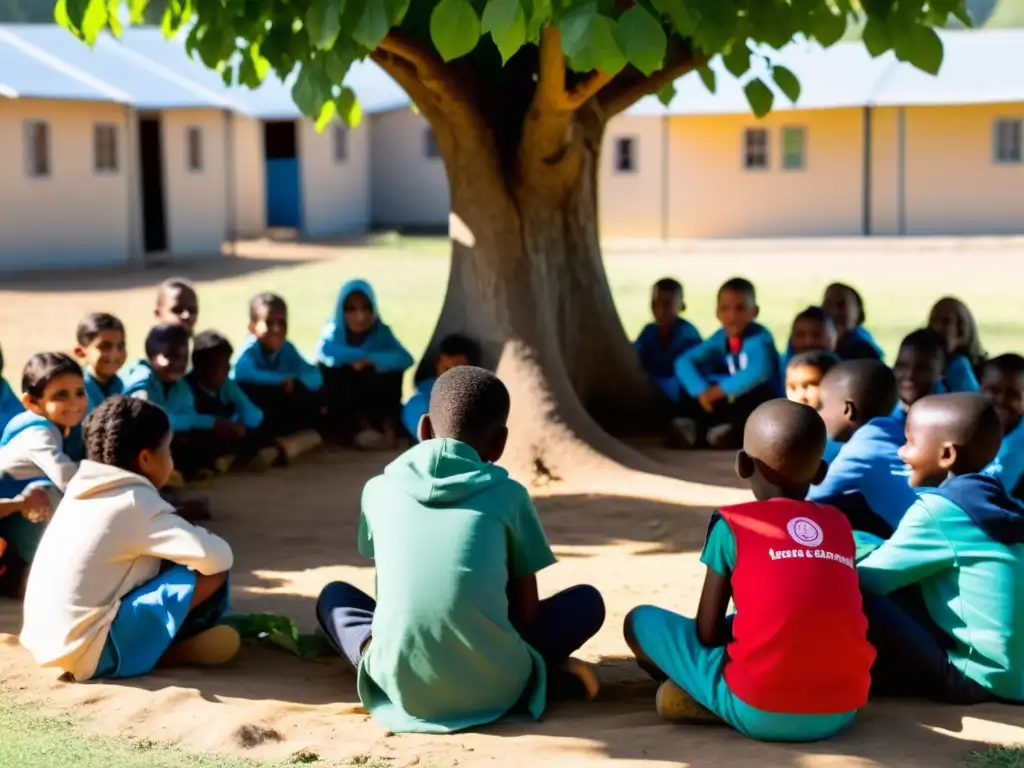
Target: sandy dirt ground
x=294, y=530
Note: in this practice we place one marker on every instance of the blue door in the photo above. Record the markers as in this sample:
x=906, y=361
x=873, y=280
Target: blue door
x=284, y=200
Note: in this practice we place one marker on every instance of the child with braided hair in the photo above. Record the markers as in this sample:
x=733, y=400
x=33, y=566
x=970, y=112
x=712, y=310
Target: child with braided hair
x=120, y=581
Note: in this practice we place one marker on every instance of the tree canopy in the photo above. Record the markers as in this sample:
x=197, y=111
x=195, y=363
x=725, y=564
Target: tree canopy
x=605, y=43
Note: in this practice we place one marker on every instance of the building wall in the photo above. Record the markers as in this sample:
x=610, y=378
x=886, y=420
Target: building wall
x=196, y=201
x=712, y=195
x=633, y=204
x=885, y=171
x=953, y=185
x=75, y=216
x=335, y=194
x=407, y=188
x=249, y=172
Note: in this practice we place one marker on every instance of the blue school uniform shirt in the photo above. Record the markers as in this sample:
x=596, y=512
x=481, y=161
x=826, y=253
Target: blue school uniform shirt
x=959, y=377
x=338, y=347
x=230, y=402
x=417, y=406
x=256, y=365
x=658, y=354
x=712, y=362
x=963, y=544
x=859, y=344
x=10, y=404
x=97, y=391
x=1008, y=464
x=56, y=467
x=868, y=470
x=176, y=399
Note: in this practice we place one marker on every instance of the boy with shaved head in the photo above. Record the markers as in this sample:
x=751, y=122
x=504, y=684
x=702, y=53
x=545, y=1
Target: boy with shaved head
x=792, y=663
x=962, y=545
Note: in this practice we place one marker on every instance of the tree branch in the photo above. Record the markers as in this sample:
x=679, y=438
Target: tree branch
x=628, y=88
x=587, y=88
x=551, y=84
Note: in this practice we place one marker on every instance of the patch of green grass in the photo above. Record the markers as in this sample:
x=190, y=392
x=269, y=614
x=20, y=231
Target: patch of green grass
x=997, y=757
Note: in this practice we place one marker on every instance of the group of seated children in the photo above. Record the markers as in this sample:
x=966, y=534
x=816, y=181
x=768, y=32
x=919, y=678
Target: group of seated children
x=264, y=409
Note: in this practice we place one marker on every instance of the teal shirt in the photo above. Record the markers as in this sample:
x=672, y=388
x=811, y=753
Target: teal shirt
x=97, y=391
x=447, y=532
x=972, y=585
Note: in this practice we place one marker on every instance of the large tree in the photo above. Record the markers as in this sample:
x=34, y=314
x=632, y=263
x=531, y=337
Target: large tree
x=518, y=94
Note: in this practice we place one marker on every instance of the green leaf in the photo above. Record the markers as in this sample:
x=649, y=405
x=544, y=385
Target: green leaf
x=921, y=47
x=136, y=11
x=327, y=113
x=372, y=25
x=60, y=15
x=683, y=20
x=176, y=15
x=760, y=97
x=499, y=14
x=642, y=40
x=348, y=108
x=254, y=67
x=667, y=93
x=454, y=28
x=538, y=14
x=94, y=21
x=310, y=91
x=876, y=38
x=396, y=10
x=323, y=22
x=737, y=60
x=215, y=46
x=227, y=76
x=511, y=38
x=827, y=27
x=787, y=82
x=576, y=27
x=113, y=21
x=337, y=61
x=601, y=51
x=707, y=76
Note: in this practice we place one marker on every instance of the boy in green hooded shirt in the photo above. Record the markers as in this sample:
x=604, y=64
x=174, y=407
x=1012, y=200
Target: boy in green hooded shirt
x=457, y=636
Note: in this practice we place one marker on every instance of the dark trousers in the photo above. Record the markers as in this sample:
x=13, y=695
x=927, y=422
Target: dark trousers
x=285, y=413
x=860, y=514
x=360, y=399
x=912, y=659
x=199, y=449
x=565, y=622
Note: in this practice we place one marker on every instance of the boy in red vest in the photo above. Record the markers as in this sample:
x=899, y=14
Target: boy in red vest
x=793, y=663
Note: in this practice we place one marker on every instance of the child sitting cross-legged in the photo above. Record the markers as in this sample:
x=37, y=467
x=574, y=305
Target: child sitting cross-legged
x=121, y=582
x=792, y=663
x=41, y=447
x=919, y=369
x=454, y=350
x=245, y=442
x=1002, y=382
x=278, y=379
x=733, y=371
x=846, y=307
x=866, y=479
x=953, y=321
x=101, y=350
x=960, y=550
x=457, y=636
x=363, y=363
x=661, y=343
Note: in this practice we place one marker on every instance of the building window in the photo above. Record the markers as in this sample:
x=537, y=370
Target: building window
x=625, y=155
x=430, y=145
x=793, y=140
x=755, y=149
x=37, y=149
x=104, y=142
x=1009, y=140
x=340, y=143
x=194, y=149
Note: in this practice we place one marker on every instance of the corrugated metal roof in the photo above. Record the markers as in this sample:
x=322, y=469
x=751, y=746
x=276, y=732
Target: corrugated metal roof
x=984, y=66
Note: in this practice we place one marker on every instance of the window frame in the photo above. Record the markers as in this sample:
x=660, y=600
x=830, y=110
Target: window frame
x=29, y=152
x=430, y=149
x=997, y=124
x=633, y=142
x=199, y=166
x=745, y=149
x=114, y=158
x=339, y=140
x=788, y=130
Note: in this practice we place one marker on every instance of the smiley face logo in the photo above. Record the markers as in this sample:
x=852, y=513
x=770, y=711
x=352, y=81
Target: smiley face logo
x=805, y=532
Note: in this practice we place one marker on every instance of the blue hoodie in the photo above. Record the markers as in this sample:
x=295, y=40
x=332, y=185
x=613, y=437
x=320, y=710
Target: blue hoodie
x=10, y=404
x=447, y=532
x=963, y=543
x=338, y=347
x=1008, y=464
x=417, y=406
x=176, y=399
x=959, y=377
x=255, y=365
x=859, y=344
x=659, y=360
x=712, y=362
x=868, y=470
x=98, y=392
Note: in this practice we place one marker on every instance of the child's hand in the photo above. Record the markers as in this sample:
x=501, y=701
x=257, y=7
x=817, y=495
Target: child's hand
x=361, y=364
x=36, y=506
x=227, y=429
x=710, y=396
x=288, y=385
